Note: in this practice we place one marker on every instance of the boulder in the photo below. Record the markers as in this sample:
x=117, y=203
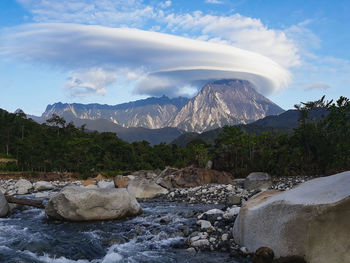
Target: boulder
x=89, y=181
x=143, y=188
x=4, y=206
x=257, y=181
x=310, y=221
x=75, y=203
x=148, y=174
x=23, y=186
x=191, y=177
x=121, y=181
x=105, y=184
x=43, y=186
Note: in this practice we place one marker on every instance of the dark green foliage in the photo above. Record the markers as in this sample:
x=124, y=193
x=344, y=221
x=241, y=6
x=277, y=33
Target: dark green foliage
x=319, y=145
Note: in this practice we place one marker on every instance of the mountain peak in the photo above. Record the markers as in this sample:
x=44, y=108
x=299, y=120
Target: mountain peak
x=224, y=102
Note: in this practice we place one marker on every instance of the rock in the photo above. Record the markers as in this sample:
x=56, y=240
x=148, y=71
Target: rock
x=42, y=195
x=191, y=250
x=204, y=224
x=105, y=184
x=143, y=188
x=209, y=165
x=224, y=237
x=23, y=186
x=231, y=212
x=311, y=221
x=148, y=174
x=200, y=243
x=121, y=181
x=43, y=186
x=263, y=255
x=75, y=203
x=191, y=177
x=99, y=178
x=4, y=206
x=2, y=190
x=89, y=181
x=257, y=181
x=233, y=199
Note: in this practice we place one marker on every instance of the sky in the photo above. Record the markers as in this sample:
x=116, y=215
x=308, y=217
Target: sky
x=115, y=51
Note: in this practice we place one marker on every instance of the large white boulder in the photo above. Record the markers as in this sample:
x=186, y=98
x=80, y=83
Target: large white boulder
x=143, y=188
x=23, y=186
x=4, y=206
x=43, y=186
x=311, y=221
x=75, y=203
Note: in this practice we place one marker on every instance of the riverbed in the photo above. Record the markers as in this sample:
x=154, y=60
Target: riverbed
x=158, y=235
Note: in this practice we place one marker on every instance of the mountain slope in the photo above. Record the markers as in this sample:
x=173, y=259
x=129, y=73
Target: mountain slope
x=224, y=102
x=150, y=113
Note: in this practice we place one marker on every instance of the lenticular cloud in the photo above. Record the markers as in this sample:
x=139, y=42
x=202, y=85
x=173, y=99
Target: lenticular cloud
x=165, y=63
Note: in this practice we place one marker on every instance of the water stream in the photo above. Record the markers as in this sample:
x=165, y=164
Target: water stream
x=156, y=236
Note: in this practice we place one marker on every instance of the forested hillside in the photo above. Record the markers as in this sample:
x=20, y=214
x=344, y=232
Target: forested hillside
x=315, y=147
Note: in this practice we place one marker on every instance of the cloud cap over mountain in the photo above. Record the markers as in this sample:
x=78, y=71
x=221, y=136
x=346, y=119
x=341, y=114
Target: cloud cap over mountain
x=158, y=63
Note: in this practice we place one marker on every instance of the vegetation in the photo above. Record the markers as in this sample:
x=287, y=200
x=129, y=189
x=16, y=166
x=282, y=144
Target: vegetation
x=318, y=146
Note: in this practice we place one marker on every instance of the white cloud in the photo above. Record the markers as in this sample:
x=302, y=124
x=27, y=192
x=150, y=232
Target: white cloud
x=165, y=4
x=239, y=31
x=317, y=86
x=213, y=2
x=164, y=63
x=92, y=81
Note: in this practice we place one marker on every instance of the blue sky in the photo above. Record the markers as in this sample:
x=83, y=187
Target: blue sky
x=89, y=51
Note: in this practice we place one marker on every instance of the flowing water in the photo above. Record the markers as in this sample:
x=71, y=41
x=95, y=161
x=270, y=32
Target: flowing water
x=155, y=236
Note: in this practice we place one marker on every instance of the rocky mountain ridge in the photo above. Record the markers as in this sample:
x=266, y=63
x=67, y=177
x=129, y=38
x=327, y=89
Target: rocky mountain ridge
x=219, y=103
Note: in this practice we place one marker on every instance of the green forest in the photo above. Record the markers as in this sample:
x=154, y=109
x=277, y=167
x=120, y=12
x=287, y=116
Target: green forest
x=316, y=147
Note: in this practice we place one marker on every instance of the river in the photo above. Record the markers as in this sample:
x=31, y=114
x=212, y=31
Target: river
x=27, y=236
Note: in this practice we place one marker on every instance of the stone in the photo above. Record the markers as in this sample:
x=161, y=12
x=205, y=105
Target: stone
x=257, y=181
x=4, y=206
x=191, y=177
x=191, y=250
x=143, y=188
x=263, y=255
x=209, y=164
x=98, y=178
x=224, y=237
x=89, y=181
x=23, y=186
x=309, y=221
x=200, y=243
x=2, y=190
x=204, y=224
x=233, y=199
x=43, y=186
x=231, y=212
x=42, y=195
x=105, y=184
x=121, y=181
x=74, y=203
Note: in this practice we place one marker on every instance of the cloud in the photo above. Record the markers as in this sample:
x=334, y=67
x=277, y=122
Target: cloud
x=244, y=32
x=213, y=2
x=240, y=31
x=97, y=56
x=92, y=81
x=317, y=86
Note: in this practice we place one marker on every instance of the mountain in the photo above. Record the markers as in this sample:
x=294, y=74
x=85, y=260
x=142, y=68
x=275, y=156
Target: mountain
x=153, y=136
x=224, y=102
x=152, y=113
x=284, y=122
x=219, y=103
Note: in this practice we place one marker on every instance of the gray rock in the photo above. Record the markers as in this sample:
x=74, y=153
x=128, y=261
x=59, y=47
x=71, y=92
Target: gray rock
x=200, y=242
x=43, y=186
x=257, y=181
x=233, y=199
x=23, y=186
x=143, y=188
x=81, y=204
x=311, y=221
x=106, y=184
x=204, y=224
x=4, y=206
